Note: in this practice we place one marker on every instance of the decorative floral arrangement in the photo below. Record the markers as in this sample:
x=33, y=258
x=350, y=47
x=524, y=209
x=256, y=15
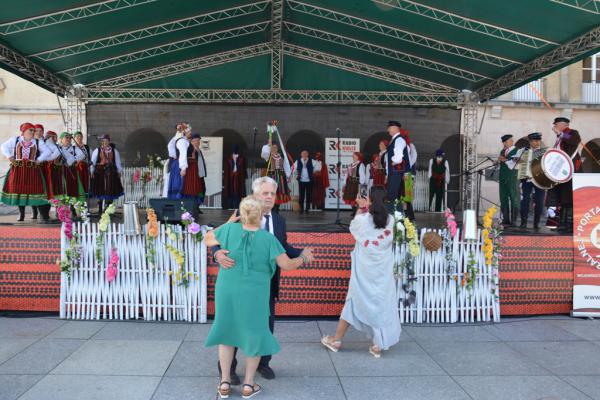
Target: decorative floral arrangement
x=74, y=251
x=469, y=277
x=451, y=230
x=492, y=244
x=405, y=232
x=151, y=235
x=102, y=228
x=182, y=277
x=191, y=226
x=111, y=268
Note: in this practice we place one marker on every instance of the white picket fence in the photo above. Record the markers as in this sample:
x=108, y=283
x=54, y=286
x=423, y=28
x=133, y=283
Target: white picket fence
x=139, y=290
x=442, y=300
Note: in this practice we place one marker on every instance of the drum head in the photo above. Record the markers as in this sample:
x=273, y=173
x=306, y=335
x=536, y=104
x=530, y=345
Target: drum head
x=557, y=166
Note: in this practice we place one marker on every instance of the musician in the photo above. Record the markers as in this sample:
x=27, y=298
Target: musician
x=528, y=154
x=278, y=169
x=509, y=198
x=439, y=177
x=567, y=140
x=398, y=163
x=106, y=172
x=306, y=168
x=24, y=183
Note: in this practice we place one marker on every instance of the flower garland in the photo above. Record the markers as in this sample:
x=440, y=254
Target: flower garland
x=111, y=268
x=102, y=228
x=151, y=235
x=451, y=230
x=405, y=232
x=74, y=251
x=492, y=244
x=191, y=226
x=182, y=277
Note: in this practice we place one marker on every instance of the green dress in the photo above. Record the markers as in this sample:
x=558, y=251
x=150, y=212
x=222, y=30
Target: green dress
x=242, y=292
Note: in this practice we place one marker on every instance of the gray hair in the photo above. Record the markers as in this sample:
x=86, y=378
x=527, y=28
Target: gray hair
x=258, y=182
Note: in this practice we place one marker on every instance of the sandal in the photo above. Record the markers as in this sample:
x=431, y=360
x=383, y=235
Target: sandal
x=254, y=390
x=333, y=345
x=375, y=351
x=224, y=393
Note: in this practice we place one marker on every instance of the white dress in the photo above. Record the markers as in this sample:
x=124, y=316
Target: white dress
x=371, y=304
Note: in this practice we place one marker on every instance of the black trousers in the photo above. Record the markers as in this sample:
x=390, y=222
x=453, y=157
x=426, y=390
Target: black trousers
x=264, y=360
x=538, y=199
x=306, y=189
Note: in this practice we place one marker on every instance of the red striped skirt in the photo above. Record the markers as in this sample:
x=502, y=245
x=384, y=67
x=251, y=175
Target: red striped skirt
x=56, y=176
x=24, y=185
x=71, y=181
x=378, y=177
x=83, y=171
x=193, y=184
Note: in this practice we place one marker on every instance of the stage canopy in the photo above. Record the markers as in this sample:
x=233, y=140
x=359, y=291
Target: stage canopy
x=395, y=52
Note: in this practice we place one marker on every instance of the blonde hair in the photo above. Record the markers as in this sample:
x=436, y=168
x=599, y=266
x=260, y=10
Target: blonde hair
x=251, y=210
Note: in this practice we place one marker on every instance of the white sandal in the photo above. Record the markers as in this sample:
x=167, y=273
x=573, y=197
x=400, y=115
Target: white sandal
x=375, y=351
x=333, y=345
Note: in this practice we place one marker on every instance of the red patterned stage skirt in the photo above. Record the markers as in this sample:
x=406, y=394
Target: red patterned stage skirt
x=83, y=171
x=378, y=177
x=106, y=183
x=72, y=182
x=318, y=194
x=24, y=185
x=193, y=185
x=283, y=190
x=351, y=190
x=55, y=174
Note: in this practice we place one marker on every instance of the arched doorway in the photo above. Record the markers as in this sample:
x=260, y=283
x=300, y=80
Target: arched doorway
x=140, y=144
x=371, y=145
x=589, y=164
x=304, y=140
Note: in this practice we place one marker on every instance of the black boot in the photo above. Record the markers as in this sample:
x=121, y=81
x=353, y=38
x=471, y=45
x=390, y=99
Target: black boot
x=100, y=207
x=569, y=220
x=21, y=213
x=562, y=220
x=505, y=216
x=45, y=211
x=35, y=212
x=536, y=222
x=523, y=223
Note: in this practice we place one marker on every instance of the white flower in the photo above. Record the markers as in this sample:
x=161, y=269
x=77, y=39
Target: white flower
x=400, y=227
x=398, y=215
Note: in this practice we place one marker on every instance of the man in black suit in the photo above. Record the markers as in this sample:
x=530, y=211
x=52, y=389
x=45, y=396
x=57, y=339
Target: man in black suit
x=265, y=188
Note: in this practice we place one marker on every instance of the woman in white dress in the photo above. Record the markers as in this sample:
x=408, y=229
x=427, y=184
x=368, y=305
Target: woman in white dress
x=371, y=304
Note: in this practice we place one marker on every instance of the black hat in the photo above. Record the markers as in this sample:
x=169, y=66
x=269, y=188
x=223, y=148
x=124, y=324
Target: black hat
x=504, y=138
x=195, y=136
x=394, y=123
x=561, y=119
x=534, y=136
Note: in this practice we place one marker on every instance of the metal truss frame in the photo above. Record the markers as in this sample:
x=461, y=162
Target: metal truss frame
x=466, y=23
x=32, y=70
x=193, y=64
x=385, y=51
x=71, y=14
x=75, y=108
x=270, y=97
x=468, y=101
x=590, y=6
x=152, y=31
x=582, y=45
x=165, y=49
x=400, y=34
x=364, y=69
x=276, y=44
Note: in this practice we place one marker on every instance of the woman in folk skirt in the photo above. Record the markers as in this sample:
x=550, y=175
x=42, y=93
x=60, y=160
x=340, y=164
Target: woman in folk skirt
x=24, y=184
x=356, y=179
x=321, y=178
x=279, y=170
x=83, y=166
x=106, y=173
x=188, y=170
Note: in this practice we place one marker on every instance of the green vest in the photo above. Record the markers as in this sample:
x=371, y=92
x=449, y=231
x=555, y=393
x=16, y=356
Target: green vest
x=505, y=172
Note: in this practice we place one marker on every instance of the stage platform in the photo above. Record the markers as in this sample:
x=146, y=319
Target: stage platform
x=536, y=272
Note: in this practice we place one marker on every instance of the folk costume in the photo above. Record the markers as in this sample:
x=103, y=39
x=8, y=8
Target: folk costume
x=356, y=180
x=24, y=184
x=377, y=170
x=180, y=129
x=439, y=177
x=83, y=166
x=190, y=160
x=509, y=196
x=398, y=164
x=106, y=171
x=321, y=183
x=65, y=179
x=234, y=179
x=278, y=170
x=306, y=169
x=528, y=188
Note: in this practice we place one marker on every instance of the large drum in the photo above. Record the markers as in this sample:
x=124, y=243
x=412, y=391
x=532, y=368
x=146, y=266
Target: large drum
x=553, y=167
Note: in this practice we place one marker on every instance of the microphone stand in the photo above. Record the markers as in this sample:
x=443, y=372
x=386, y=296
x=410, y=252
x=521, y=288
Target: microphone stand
x=338, y=221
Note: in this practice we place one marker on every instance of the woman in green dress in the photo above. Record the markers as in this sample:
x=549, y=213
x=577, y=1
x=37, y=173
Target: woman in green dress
x=242, y=294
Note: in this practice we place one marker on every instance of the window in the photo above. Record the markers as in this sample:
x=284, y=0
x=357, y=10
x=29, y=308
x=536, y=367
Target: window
x=591, y=69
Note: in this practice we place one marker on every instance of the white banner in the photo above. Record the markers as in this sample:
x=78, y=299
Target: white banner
x=347, y=146
x=212, y=150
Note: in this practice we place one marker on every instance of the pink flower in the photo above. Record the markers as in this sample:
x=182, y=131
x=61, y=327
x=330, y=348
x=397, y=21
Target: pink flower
x=111, y=269
x=366, y=243
x=114, y=257
x=387, y=232
x=381, y=237
x=111, y=273
x=147, y=177
x=375, y=242
x=194, y=228
x=186, y=216
x=136, y=176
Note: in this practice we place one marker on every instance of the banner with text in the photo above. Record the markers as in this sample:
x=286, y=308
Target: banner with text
x=586, y=241
x=347, y=146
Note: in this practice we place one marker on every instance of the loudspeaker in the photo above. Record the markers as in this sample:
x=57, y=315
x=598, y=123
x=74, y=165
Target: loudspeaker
x=170, y=210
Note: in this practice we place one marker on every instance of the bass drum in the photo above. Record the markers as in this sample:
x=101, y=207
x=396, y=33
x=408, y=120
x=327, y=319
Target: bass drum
x=551, y=168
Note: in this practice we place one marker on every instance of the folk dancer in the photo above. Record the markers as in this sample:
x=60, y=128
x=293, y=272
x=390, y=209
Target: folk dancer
x=180, y=131
x=83, y=166
x=567, y=140
x=234, y=178
x=378, y=166
x=39, y=136
x=398, y=163
x=24, y=184
x=305, y=169
x=321, y=183
x=527, y=186
x=189, y=182
x=356, y=181
x=70, y=155
x=278, y=170
x=409, y=177
x=106, y=172
x=509, y=196
x=439, y=177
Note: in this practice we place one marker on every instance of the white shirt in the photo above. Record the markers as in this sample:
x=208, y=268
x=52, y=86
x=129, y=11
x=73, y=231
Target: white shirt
x=264, y=220
x=235, y=157
x=53, y=150
x=399, y=146
x=510, y=163
x=95, y=156
x=182, y=146
x=412, y=154
x=171, y=145
x=8, y=148
x=71, y=154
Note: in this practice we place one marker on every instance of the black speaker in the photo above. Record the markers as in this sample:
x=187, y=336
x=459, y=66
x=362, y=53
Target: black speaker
x=170, y=210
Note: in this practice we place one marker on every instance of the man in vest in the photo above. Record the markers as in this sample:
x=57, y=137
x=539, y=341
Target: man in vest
x=528, y=188
x=509, y=196
x=305, y=168
x=439, y=177
x=398, y=163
